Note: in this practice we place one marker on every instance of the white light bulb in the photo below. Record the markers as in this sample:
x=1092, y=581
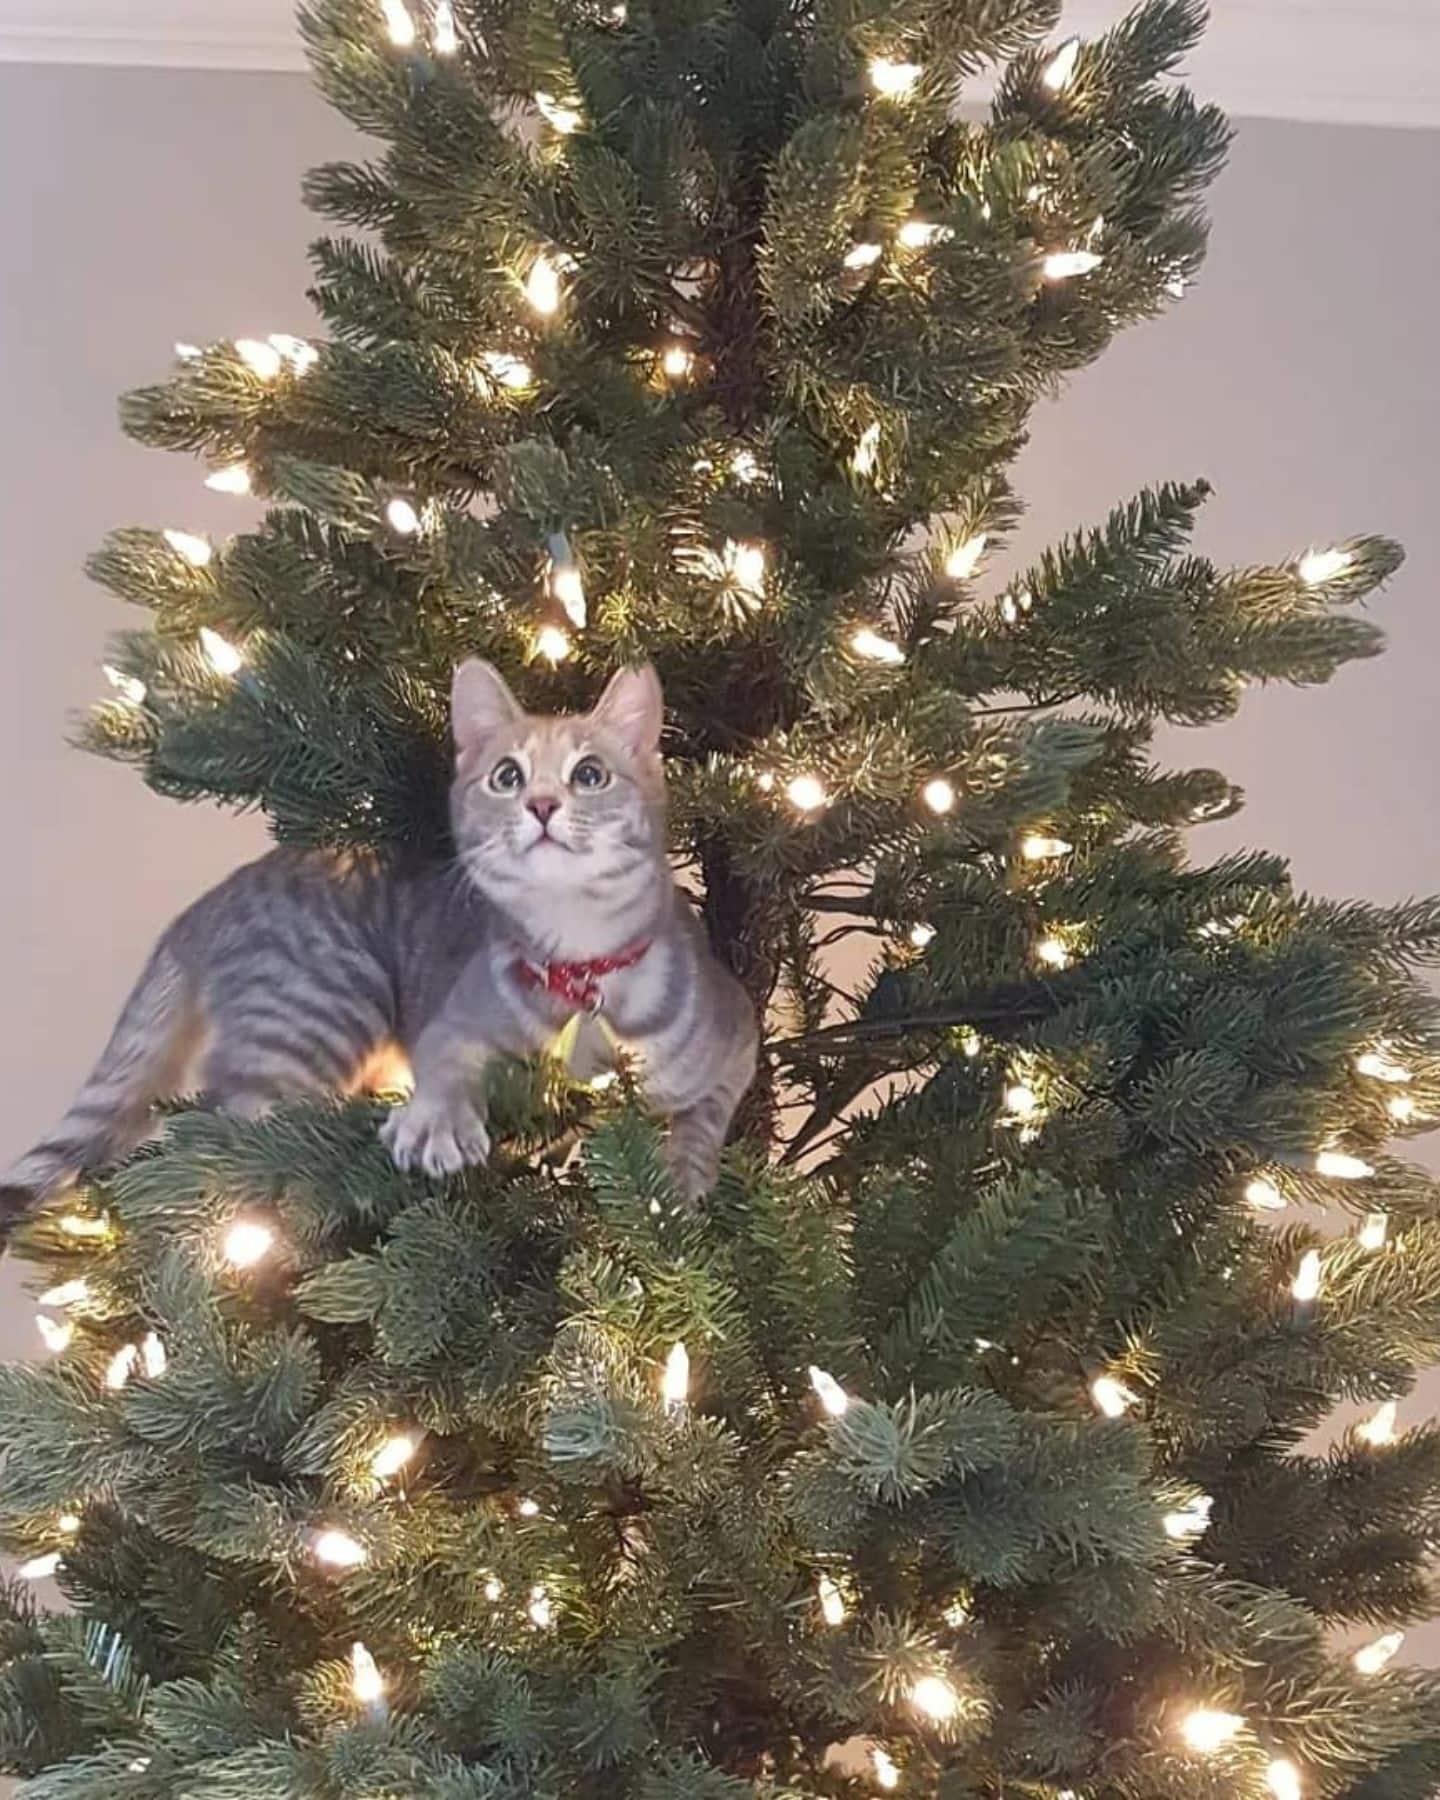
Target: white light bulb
x=964, y=559
x=917, y=234
x=529, y=1509
x=1036, y=848
x=870, y=644
x=1372, y=1658
x=121, y=1366
x=863, y=256
x=677, y=362
x=39, y=1568
x=1111, y=1397
x=1207, y=1730
x=392, y=1456
x=867, y=452
x=938, y=795
x=744, y=467
x=1191, y=1521
x=887, y=1775
x=1022, y=1100
x=1401, y=1108
x=921, y=935
x=1053, y=953
x=555, y=112
x=69, y=1293
x=54, y=1334
x=1060, y=70
x=567, y=585
x=541, y=1609
x=832, y=1601
x=1341, y=1167
x=552, y=643
x=970, y=1044
x=153, y=1359
x=1061, y=265
x=402, y=517
x=69, y=1523
x=831, y=1395
x=891, y=78
x=935, y=1697
x=1306, y=1285
x=247, y=1242
x=542, y=286
x=296, y=351
x=260, y=358
x=493, y=1588
x=129, y=687
x=398, y=23
x=444, y=36
x=1283, y=1779
x=1263, y=1195
x=510, y=371
x=1374, y=1231
x=1317, y=567
x=367, y=1684
x=234, y=478
x=220, y=653
x=1381, y=1067
x=197, y=551
x=675, y=1382
x=806, y=793
x=339, y=1550
x=188, y=352
x=1379, y=1428
x=76, y=1225
x=956, y=1615
x=744, y=566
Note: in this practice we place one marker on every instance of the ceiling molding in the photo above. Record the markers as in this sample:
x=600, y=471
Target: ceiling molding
x=1370, y=62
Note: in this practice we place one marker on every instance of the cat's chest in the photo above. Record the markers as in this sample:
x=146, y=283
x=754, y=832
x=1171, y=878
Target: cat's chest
x=629, y=996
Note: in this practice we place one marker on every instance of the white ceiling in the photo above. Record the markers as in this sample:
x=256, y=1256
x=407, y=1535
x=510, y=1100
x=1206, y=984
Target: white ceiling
x=1357, y=61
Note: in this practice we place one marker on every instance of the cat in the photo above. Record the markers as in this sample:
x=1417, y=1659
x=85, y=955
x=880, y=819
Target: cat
x=305, y=971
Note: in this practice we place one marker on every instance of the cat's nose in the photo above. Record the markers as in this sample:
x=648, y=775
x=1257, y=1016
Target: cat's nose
x=544, y=807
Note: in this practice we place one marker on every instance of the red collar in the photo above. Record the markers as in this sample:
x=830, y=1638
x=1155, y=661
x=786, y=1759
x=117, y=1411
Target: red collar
x=577, y=984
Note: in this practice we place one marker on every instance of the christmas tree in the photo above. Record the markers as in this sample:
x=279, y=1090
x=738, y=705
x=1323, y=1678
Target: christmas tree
x=958, y=1443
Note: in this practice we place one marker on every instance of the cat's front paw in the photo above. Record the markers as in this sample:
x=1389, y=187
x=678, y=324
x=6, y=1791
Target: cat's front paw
x=438, y=1139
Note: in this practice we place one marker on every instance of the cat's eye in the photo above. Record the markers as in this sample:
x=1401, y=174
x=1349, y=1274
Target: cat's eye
x=590, y=773
x=507, y=777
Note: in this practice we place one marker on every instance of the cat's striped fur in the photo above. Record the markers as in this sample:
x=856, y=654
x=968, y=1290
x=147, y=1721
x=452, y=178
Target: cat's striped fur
x=308, y=972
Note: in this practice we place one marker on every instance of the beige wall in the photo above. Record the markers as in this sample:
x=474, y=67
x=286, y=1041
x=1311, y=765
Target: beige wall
x=142, y=207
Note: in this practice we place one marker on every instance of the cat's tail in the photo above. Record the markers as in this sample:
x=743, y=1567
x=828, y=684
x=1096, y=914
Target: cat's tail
x=110, y=1114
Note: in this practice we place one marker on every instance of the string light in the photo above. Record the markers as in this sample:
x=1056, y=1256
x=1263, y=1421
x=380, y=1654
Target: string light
x=493, y=1588
x=1306, y=1285
x=1207, y=1730
x=398, y=23
x=567, y=585
x=367, y=1684
x=1112, y=1398
x=188, y=352
x=1341, y=1167
x=234, y=478
x=300, y=355
x=1060, y=70
x=1283, y=1779
x=1401, y=1108
x=510, y=371
x=552, y=643
x=1379, y=1428
x=832, y=1601
x=744, y=566
x=866, y=453
x=893, y=79
x=197, y=551
x=677, y=362
x=153, y=1358
x=555, y=112
x=39, y=1568
x=444, y=37
x=247, y=1242
x=69, y=1293
x=1036, y=848
x=921, y=935
x=918, y=234
x=220, y=653
x=744, y=467
x=955, y=1615
x=541, y=1609
x=1061, y=265
x=54, y=1334
x=935, y=1697
x=542, y=286
x=1370, y=1659
x=260, y=358
x=887, y=1775
x=339, y=1550
x=129, y=687
x=392, y=1456
x=969, y=1042
x=870, y=644
x=121, y=1366
x=69, y=1523
x=1053, y=953
x=831, y=1395
x=807, y=793
x=1263, y=1195
x=964, y=559
x=529, y=1509
x=675, y=1382
x=1374, y=1231
x=1317, y=567
x=863, y=256
x=77, y=1225
x=402, y=517
x=938, y=795
x=1379, y=1065
x=1022, y=1100
x=1191, y=1521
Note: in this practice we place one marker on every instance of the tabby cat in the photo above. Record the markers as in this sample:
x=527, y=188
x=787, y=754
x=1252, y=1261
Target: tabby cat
x=308, y=971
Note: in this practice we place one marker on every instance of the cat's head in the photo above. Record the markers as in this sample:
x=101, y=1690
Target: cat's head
x=565, y=801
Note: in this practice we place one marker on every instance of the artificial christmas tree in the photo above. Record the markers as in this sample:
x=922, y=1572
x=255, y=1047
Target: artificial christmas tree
x=953, y=1444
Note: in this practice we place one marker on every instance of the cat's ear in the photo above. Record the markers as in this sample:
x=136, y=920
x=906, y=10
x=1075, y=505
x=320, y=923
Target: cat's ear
x=480, y=703
x=633, y=707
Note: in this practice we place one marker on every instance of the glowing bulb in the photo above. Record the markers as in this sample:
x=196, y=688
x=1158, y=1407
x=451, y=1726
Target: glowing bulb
x=1263, y=1195
x=921, y=935
x=260, y=358
x=934, y=1696
x=1191, y=1521
x=832, y=1601
x=339, y=1550
x=121, y=1366
x=916, y=234
x=1306, y=1285
x=188, y=352
x=956, y=1615
x=1207, y=1731
x=234, y=478
x=675, y=1382
x=744, y=467
x=602, y=1082
x=1060, y=70
x=69, y=1523
x=563, y=118
x=197, y=551
x=567, y=585
x=392, y=1456
x=76, y=1225
x=153, y=1359
x=1379, y=1428
x=552, y=643
x=806, y=793
x=402, y=517
x=69, y=1293
x=510, y=371
x=1319, y=566
x=220, y=653
x=129, y=687
x=1283, y=1779
x=964, y=559
x=1372, y=1658
x=1035, y=848
x=542, y=286
x=1111, y=1397
x=887, y=1775
x=541, y=1609
x=529, y=1509
x=1060, y=265
x=831, y=1395
x=39, y=1568
x=1022, y=1100
x=53, y=1334
x=1052, y=952
x=398, y=23
x=1340, y=1167
x=1374, y=1231
x=1401, y=1109
x=300, y=355
x=870, y=644
x=367, y=1684
x=744, y=566
x=247, y=1242
x=863, y=256
x=444, y=37
x=493, y=1588
x=1381, y=1067
x=893, y=79
x=867, y=452
x=970, y=1043
x=677, y=362
x=1013, y=605
x=938, y=795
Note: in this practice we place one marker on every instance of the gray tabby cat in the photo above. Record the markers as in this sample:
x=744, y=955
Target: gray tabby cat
x=306, y=972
